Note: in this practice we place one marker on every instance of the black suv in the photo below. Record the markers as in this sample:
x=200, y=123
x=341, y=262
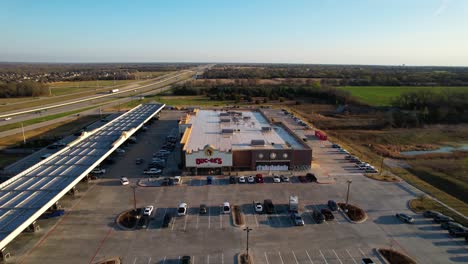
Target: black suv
x=232, y=179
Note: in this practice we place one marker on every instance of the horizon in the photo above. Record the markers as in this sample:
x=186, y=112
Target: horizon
x=419, y=33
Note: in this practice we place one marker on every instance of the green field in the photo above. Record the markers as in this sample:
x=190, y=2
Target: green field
x=383, y=95
x=61, y=88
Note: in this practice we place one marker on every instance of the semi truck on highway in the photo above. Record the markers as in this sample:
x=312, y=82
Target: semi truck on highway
x=113, y=90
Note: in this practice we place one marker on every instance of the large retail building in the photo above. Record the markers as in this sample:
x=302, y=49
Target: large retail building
x=217, y=141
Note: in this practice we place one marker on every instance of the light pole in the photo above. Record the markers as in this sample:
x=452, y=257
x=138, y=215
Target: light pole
x=347, y=194
x=247, y=229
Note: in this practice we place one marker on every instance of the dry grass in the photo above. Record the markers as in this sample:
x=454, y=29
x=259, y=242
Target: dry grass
x=425, y=203
x=395, y=257
x=385, y=177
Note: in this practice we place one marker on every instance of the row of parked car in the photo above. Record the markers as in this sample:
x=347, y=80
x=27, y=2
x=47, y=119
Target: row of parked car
x=455, y=229
x=298, y=120
x=364, y=166
x=159, y=159
x=309, y=177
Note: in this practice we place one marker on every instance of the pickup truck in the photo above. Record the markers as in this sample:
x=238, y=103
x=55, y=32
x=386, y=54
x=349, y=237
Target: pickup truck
x=152, y=171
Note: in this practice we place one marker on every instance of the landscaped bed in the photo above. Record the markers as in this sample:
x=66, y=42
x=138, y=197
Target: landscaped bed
x=354, y=213
x=395, y=257
x=129, y=219
x=245, y=259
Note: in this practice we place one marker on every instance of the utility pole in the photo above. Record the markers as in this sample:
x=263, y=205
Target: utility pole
x=22, y=130
x=247, y=229
x=381, y=165
x=100, y=112
x=347, y=194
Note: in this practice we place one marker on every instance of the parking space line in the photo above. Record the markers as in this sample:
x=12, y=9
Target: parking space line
x=220, y=220
x=164, y=260
x=209, y=218
x=256, y=221
x=308, y=256
x=351, y=256
x=323, y=256
x=149, y=260
x=185, y=223
x=208, y=259
x=337, y=256
x=173, y=223
x=281, y=258
x=295, y=258
x=362, y=252
x=198, y=217
x=222, y=258
x=266, y=258
x=134, y=260
x=193, y=259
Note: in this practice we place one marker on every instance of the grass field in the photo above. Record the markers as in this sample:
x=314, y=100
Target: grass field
x=62, y=88
x=42, y=119
x=191, y=101
x=383, y=95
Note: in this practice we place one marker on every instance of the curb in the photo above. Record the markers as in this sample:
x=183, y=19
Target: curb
x=354, y=222
x=386, y=261
x=409, y=207
x=121, y=226
x=380, y=257
x=234, y=219
x=239, y=258
x=398, y=181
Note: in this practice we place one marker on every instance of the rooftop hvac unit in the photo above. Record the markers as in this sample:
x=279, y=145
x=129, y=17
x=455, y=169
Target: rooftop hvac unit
x=227, y=131
x=257, y=142
x=266, y=129
x=224, y=114
x=225, y=120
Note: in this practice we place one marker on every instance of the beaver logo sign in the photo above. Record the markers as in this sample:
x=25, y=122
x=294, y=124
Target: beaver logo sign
x=209, y=157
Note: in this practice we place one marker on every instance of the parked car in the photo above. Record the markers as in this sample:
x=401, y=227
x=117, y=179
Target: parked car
x=258, y=207
x=177, y=180
x=203, y=209
x=138, y=161
x=182, y=209
x=98, y=170
x=367, y=261
x=327, y=214
x=226, y=208
x=276, y=179
x=124, y=181
x=241, y=179
x=297, y=219
x=461, y=232
x=186, y=260
x=152, y=171
x=450, y=225
x=119, y=150
x=332, y=205
x=251, y=179
x=268, y=206
x=335, y=145
x=259, y=178
x=431, y=214
x=148, y=210
x=209, y=180
x=284, y=178
x=442, y=218
x=52, y=214
x=232, y=179
x=405, y=218
x=318, y=217
x=311, y=177
x=167, y=220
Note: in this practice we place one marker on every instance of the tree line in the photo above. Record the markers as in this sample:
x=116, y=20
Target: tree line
x=23, y=89
x=353, y=75
x=241, y=91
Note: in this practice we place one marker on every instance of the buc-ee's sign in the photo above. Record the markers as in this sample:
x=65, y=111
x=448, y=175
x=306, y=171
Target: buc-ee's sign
x=211, y=160
x=208, y=158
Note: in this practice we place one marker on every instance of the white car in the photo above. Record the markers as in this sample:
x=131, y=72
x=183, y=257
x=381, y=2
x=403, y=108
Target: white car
x=251, y=179
x=276, y=179
x=7, y=118
x=182, y=209
x=177, y=180
x=124, y=181
x=152, y=171
x=226, y=208
x=241, y=179
x=119, y=150
x=148, y=210
x=98, y=171
x=258, y=207
x=284, y=178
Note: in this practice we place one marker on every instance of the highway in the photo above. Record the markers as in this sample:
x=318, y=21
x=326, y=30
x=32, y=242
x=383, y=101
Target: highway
x=27, y=114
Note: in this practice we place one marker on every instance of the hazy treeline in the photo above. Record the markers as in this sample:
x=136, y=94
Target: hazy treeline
x=348, y=74
x=241, y=92
x=22, y=89
x=427, y=107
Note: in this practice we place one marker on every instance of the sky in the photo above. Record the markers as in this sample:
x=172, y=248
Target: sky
x=377, y=32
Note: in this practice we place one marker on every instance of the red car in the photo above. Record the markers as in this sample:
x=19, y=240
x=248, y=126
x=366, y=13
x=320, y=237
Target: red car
x=259, y=178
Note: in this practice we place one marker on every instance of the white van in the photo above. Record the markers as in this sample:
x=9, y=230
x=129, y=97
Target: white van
x=226, y=208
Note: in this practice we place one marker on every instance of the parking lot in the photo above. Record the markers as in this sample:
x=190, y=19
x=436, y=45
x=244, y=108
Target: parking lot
x=87, y=233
